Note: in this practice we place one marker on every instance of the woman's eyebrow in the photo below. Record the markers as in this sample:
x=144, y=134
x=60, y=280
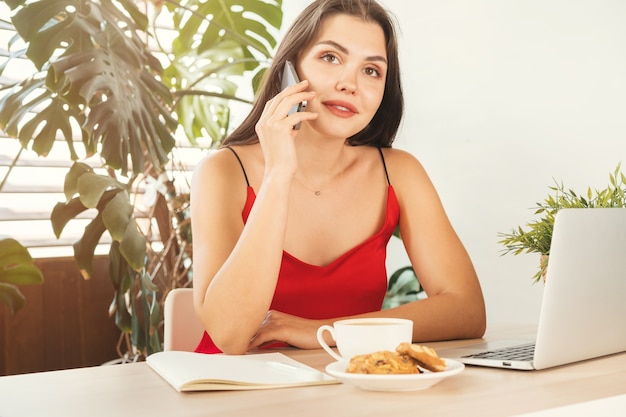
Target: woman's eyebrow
x=344, y=50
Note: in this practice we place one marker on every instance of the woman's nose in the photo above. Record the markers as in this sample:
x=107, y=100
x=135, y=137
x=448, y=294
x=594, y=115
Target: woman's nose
x=347, y=83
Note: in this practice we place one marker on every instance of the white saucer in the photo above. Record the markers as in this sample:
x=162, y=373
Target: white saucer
x=409, y=382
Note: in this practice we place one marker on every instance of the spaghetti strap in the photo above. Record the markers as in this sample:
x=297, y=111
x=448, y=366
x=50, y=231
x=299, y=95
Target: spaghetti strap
x=243, y=169
x=384, y=165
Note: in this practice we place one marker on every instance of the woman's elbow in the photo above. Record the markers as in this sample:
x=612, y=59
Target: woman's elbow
x=478, y=327
x=229, y=339
x=476, y=323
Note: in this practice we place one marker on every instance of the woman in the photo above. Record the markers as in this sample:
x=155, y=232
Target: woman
x=291, y=225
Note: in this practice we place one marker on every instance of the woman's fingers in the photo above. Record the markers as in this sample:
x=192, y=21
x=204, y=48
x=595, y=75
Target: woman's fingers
x=280, y=106
x=276, y=119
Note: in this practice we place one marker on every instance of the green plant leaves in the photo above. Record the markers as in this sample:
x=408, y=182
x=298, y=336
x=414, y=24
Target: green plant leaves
x=97, y=81
x=11, y=296
x=99, y=73
x=217, y=43
x=85, y=247
x=16, y=268
x=245, y=21
x=536, y=237
x=70, y=185
x=16, y=264
x=91, y=188
x=133, y=246
x=115, y=215
x=403, y=287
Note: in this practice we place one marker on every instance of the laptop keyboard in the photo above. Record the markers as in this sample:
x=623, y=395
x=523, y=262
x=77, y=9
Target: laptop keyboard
x=511, y=353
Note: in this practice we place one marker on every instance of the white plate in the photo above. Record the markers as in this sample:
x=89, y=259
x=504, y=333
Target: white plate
x=409, y=382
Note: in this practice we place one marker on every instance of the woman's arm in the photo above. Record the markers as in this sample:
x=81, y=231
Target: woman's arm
x=455, y=305
x=236, y=267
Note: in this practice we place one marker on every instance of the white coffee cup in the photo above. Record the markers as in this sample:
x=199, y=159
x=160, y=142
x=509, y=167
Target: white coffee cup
x=362, y=336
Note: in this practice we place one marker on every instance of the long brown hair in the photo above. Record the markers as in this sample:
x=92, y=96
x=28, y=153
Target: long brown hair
x=383, y=127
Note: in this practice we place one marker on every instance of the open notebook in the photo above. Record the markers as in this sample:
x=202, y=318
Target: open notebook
x=190, y=371
x=584, y=301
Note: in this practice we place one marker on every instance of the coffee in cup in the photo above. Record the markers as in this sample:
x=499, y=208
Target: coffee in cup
x=365, y=335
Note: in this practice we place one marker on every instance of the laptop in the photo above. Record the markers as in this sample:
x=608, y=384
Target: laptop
x=583, y=310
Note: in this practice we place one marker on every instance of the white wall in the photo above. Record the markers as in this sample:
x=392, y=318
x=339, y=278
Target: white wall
x=502, y=97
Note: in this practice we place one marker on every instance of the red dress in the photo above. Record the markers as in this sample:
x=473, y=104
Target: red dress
x=354, y=283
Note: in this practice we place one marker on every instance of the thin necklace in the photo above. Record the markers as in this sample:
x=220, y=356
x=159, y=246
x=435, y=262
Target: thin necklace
x=316, y=192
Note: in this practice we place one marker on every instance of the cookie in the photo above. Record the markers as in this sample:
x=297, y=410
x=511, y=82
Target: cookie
x=425, y=356
x=383, y=362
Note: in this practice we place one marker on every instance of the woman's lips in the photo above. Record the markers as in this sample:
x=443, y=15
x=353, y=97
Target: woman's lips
x=340, y=108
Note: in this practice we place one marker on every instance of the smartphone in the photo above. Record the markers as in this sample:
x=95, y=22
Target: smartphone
x=290, y=77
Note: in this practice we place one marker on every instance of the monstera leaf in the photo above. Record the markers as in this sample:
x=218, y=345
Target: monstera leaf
x=95, y=80
x=244, y=21
x=217, y=43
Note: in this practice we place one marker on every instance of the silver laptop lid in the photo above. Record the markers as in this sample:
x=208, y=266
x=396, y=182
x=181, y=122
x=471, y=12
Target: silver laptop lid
x=584, y=301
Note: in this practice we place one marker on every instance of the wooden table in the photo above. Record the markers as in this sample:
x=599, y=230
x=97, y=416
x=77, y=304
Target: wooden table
x=136, y=390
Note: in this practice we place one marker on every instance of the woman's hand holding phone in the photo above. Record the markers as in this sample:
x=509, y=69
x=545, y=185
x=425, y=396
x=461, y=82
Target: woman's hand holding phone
x=290, y=77
x=276, y=126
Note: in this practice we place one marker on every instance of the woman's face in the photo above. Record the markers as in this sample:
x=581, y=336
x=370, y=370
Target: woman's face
x=346, y=65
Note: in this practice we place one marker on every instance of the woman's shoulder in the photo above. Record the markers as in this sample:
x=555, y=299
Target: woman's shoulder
x=397, y=153
x=215, y=160
x=394, y=155
x=225, y=159
x=225, y=166
x=401, y=163
x=412, y=184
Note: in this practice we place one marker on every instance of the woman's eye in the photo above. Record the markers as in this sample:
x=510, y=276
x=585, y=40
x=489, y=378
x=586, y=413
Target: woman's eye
x=329, y=58
x=372, y=72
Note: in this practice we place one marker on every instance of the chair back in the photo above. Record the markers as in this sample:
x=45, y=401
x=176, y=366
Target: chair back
x=181, y=328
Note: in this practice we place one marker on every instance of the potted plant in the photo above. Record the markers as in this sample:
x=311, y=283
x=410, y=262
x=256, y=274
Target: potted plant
x=105, y=80
x=536, y=236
